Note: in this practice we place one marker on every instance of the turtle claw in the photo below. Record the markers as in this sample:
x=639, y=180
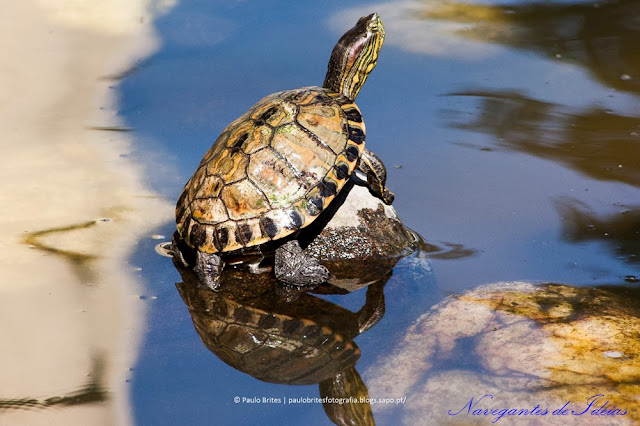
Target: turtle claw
x=176, y=252
x=293, y=266
x=208, y=268
x=387, y=197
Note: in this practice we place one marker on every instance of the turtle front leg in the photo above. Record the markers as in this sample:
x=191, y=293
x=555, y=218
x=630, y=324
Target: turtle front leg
x=294, y=266
x=208, y=268
x=376, y=173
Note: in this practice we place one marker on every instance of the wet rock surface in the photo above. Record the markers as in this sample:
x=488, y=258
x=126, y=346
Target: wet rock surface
x=525, y=345
x=362, y=241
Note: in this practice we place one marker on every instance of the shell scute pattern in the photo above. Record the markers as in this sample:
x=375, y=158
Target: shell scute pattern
x=244, y=200
x=273, y=111
x=271, y=171
x=304, y=156
x=301, y=97
x=216, y=149
x=230, y=168
x=248, y=138
x=273, y=176
x=209, y=211
x=325, y=124
x=210, y=187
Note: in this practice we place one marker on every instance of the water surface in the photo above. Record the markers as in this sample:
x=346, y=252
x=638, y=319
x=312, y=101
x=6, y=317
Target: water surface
x=511, y=133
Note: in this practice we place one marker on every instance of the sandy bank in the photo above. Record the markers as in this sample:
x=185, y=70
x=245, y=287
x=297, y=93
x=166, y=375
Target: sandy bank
x=68, y=303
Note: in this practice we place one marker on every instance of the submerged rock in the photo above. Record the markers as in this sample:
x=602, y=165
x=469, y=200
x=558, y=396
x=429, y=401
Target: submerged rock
x=527, y=349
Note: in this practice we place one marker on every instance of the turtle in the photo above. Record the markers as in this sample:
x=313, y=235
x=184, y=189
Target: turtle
x=272, y=171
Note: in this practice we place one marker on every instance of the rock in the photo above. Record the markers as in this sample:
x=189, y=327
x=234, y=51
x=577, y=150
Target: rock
x=362, y=241
x=525, y=345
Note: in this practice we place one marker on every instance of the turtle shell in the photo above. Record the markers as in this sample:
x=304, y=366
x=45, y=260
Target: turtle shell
x=272, y=171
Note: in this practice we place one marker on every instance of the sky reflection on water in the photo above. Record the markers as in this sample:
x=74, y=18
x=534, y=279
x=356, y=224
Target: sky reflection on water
x=509, y=132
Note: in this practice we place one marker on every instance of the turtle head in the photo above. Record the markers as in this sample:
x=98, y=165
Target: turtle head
x=354, y=56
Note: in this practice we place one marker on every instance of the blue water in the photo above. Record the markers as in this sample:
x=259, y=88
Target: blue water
x=462, y=131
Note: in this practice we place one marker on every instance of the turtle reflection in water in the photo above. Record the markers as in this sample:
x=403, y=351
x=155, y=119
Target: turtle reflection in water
x=251, y=328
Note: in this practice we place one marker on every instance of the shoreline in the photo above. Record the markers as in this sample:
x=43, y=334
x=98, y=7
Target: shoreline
x=73, y=208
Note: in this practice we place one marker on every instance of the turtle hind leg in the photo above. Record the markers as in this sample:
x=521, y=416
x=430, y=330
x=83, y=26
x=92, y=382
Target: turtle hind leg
x=178, y=250
x=376, y=173
x=208, y=267
x=293, y=266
